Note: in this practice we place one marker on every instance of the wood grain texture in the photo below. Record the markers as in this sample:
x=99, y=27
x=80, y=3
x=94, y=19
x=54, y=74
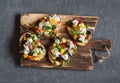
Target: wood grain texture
x=81, y=59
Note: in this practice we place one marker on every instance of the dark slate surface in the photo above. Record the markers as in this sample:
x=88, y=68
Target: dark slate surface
x=108, y=28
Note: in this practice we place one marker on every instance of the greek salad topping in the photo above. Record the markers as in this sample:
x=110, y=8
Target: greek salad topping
x=48, y=26
x=79, y=31
x=62, y=49
x=32, y=47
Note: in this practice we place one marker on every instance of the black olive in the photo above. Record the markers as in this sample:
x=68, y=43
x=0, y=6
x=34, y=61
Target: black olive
x=27, y=35
x=59, y=58
x=24, y=41
x=88, y=32
x=30, y=53
x=40, y=47
x=53, y=27
x=70, y=24
x=69, y=54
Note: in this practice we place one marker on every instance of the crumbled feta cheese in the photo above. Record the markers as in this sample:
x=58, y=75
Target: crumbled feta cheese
x=41, y=25
x=36, y=50
x=55, y=52
x=57, y=41
x=57, y=19
x=65, y=56
x=26, y=49
x=71, y=44
x=41, y=51
x=70, y=52
x=63, y=40
x=48, y=24
x=82, y=38
x=82, y=30
x=75, y=22
x=29, y=41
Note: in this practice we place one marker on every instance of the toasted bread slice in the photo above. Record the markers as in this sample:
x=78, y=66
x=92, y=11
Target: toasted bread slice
x=51, y=59
x=61, y=51
x=47, y=26
x=36, y=56
x=74, y=36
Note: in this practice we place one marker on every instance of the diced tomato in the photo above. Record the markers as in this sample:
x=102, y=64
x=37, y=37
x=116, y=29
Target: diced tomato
x=36, y=28
x=63, y=44
x=79, y=21
x=36, y=41
x=40, y=30
x=54, y=31
x=86, y=37
x=31, y=57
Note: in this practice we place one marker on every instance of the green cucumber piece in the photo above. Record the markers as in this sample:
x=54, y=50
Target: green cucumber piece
x=46, y=33
x=34, y=44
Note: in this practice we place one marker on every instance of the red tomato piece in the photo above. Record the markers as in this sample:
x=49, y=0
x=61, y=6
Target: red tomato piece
x=79, y=21
x=40, y=30
x=86, y=37
x=31, y=57
x=63, y=44
x=36, y=41
x=36, y=28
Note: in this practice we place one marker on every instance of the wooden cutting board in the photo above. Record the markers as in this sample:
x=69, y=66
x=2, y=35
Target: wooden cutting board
x=82, y=58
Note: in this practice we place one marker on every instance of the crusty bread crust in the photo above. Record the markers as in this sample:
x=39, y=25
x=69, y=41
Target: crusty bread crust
x=82, y=44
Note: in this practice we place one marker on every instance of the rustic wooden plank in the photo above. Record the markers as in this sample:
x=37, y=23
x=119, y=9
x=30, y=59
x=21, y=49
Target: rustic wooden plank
x=78, y=61
x=81, y=59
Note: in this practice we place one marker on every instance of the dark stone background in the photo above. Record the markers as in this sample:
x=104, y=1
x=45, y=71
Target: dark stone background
x=108, y=27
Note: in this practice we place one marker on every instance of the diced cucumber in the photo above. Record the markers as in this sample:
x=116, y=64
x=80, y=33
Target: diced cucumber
x=74, y=32
x=34, y=44
x=34, y=54
x=34, y=36
x=46, y=33
x=64, y=63
x=59, y=47
x=63, y=40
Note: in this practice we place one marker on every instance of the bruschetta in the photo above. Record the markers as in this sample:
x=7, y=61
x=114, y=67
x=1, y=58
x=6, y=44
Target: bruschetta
x=79, y=32
x=31, y=47
x=61, y=51
x=47, y=26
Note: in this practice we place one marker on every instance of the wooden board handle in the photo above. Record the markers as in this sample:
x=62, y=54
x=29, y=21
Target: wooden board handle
x=99, y=44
